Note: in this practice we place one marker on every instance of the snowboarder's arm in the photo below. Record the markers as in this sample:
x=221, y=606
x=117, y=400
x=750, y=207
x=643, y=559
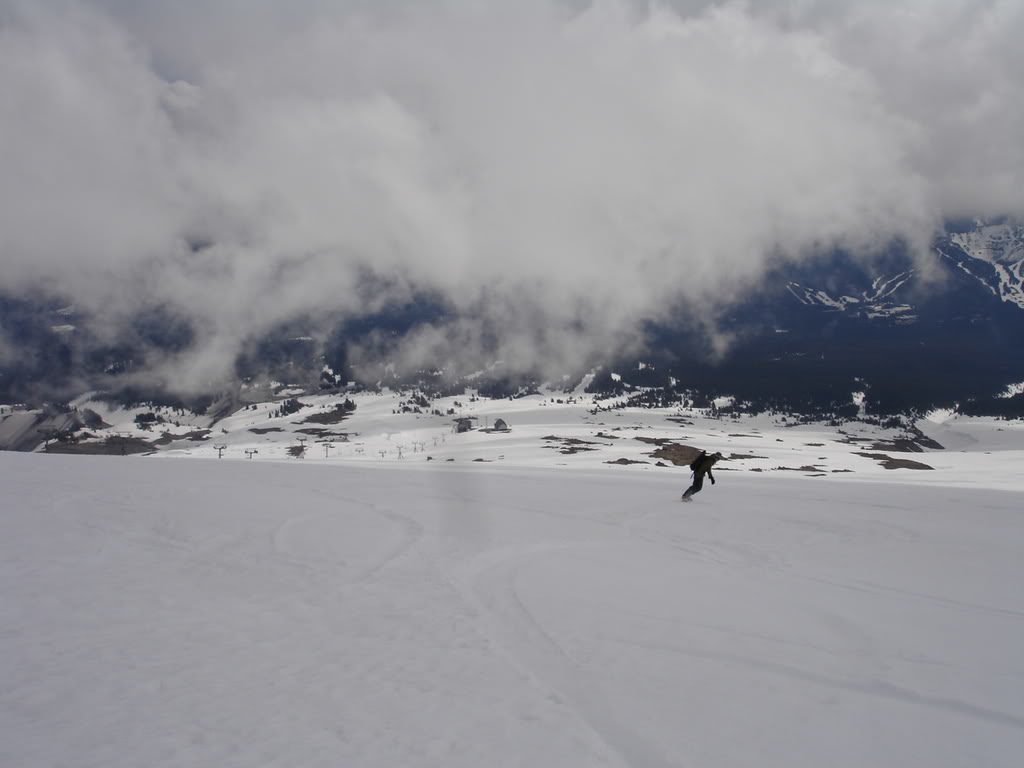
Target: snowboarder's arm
x=711, y=477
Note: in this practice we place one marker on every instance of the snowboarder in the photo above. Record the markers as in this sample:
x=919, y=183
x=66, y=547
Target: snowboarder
x=701, y=466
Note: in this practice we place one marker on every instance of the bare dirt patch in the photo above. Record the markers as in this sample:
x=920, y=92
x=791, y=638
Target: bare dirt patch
x=570, y=445
x=679, y=454
x=112, y=446
x=322, y=433
x=334, y=416
x=914, y=442
x=195, y=436
x=890, y=463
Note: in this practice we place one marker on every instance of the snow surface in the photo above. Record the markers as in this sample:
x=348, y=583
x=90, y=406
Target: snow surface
x=1001, y=246
x=980, y=452
x=1013, y=390
x=539, y=609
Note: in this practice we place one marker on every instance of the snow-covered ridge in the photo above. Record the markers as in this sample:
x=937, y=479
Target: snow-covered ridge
x=1002, y=247
x=550, y=430
x=1013, y=390
x=872, y=303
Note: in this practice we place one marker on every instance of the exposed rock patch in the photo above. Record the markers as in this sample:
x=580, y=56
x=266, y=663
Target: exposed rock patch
x=890, y=463
x=679, y=454
x=570, y=445
x=112, y=446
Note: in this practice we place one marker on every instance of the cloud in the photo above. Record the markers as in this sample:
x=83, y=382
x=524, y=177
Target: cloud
x=556, y=173
x=953, y=68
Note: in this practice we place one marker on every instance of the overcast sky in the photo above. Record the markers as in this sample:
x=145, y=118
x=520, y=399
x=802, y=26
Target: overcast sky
x=569, y=169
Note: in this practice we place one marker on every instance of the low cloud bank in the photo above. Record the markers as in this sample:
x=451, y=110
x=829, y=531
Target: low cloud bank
x=555, y=174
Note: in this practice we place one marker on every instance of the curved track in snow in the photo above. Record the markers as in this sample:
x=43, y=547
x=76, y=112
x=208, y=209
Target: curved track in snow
x=163, y=613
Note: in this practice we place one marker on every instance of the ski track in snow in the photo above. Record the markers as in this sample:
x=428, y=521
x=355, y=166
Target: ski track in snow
x=527, y=641
x=164, y=613
x=306, y=546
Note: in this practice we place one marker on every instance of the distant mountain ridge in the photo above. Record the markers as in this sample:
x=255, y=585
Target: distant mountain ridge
x=911, y=336
x=873, y=303
x=914, y=335
x=990, y=257
x=995, y=257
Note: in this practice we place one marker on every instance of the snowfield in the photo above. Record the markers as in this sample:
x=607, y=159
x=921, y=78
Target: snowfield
x=514, y=600
x=576, y=431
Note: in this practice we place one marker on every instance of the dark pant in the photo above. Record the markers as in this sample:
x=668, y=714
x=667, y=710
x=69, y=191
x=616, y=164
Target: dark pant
x=698, y=483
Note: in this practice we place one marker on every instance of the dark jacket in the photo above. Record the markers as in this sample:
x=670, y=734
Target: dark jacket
x=702, y=465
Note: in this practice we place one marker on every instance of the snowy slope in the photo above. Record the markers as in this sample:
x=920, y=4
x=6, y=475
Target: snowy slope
x=386, y=613
x=1001, y=248
x=878, y=301
x=578, y=432
x=989, y=256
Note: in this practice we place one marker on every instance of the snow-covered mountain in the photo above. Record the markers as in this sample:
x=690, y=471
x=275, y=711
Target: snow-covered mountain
x=993, y=255
x=912, y=338
x=873, y=303
x=988, y=258
x=920, y=334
